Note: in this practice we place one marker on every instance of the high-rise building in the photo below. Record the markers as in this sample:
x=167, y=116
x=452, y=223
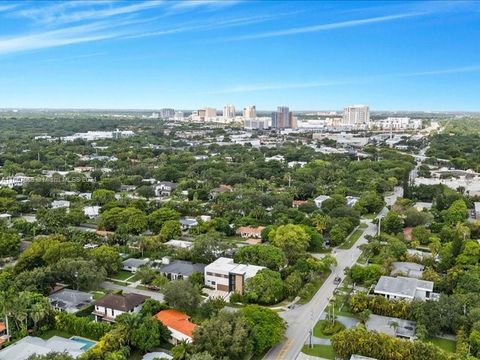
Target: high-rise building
x=356, y=115
x=283, y=118
x=167, y=113
x=178, y=115
x=250, y=112
x=210, y=112
x=229, y=111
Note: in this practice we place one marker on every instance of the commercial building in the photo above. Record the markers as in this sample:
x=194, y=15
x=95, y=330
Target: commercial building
x=256, y=123
x=356, y=115
x=179, y=115
x=225, y=275
x=283, y=118
x=167, y=113
x=250, y=112
x=229, y=111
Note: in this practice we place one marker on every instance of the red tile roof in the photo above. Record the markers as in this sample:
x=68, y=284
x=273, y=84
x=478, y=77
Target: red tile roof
x=176, y=320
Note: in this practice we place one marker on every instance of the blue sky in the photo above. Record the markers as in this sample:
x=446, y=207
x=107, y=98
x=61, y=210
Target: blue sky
x=307, y=55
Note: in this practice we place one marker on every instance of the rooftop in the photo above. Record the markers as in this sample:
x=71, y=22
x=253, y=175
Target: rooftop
x=29, y=345
x=182, y=267
x=176, y=320
x=124, y=302
x=402, y=286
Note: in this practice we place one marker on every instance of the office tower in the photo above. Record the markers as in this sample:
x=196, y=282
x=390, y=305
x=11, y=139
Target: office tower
x=167, y=113
x=210, y=112
x=283, y=118
x=249, y=112
x=356, y=115
x=229, y=111
x=178, y=115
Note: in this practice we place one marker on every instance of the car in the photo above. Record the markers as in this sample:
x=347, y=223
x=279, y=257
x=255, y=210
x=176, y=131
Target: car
x=153, y=288
x=337, y=280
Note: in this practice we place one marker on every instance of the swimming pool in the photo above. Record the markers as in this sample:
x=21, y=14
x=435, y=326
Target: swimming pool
x=87, y=343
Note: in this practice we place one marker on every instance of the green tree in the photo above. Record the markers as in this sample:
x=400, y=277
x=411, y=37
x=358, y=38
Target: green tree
x=157, y=218
x=107, y=257
x=457, y=212
x=266, y=325
x=266, y=287
x=170, y=230
x=292, y=239
x=182, y=295
x=262, y=255
x=392, y=223
x=226, y=335
x=150, y=334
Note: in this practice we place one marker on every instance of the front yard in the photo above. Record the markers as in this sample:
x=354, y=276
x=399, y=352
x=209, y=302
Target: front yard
x=323, y=351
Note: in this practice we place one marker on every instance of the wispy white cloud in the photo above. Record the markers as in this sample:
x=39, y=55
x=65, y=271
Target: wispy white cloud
x=61, y=37
x=457, y=70
x=7, y=7
x=188, y=5
x=76, y=11
x=329, y=26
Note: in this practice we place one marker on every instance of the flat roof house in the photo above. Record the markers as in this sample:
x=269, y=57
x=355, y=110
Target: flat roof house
x=70, y=301
x=404, y=288
x=133, y=264
x=178, y=323
x=179, y=244
x=188, y=223
x=408, y=269
x=29, y=345
x=180, y=269
x=320, y=199
x=225, y=275
x=113, y=305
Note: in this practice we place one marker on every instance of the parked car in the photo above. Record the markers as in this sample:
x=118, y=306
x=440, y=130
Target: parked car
x=337, y=280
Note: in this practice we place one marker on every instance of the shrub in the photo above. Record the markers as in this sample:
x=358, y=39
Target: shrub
x=81, y=326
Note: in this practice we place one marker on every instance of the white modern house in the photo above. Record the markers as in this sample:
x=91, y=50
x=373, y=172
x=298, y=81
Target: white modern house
x=92, y=212
x=404, y=288
x=320, y=199
x=113, y=305
x=58, y=204
x=164, y=188
x=225, y=275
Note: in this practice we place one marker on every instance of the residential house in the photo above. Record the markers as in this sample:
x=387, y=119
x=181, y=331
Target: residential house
x=320, y=199
x=165, y=188
x=352, y=200
x=408, y=269
x=3, y=333
x=477, y=210
x=133, y=264
x=188, y=223
x=292, y=164
x=6, y=217
x=179, y=325
x=24, y=348
x=113, y=305
x=279, y=158
x=92, y=212
x=298, y=203
x=219, y=190
x=225, y=275
x=180, y=269
x=57, y=204
x=70, y=301
x=157, y=355
x=250, y=232
x=405, y=288
x=179, y=244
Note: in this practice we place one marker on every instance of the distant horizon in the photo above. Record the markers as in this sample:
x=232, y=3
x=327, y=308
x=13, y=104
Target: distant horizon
x=220, y=109
x=303, y=54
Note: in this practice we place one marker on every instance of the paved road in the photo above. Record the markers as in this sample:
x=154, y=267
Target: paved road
x=301, y=319
x=126, y=289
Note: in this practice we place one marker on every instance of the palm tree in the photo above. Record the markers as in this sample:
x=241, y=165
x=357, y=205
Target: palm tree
x=364, y=315
x=38, y=313
x=7, y=306
x=182, y=350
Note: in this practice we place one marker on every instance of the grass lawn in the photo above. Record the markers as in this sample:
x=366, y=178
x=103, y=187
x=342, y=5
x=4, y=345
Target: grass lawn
x=49, y=333
x=307, y=296
x=97, y=294
x=122, y=275
x=318, y=329
x=444, y=344
x=324, y=351
x=354, y=237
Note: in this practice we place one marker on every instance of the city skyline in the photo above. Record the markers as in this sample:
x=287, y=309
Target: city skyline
x=187, y=55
